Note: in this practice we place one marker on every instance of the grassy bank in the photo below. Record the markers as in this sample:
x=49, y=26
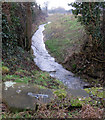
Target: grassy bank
x=64, y=36
x=66, y=40
x=20, y=67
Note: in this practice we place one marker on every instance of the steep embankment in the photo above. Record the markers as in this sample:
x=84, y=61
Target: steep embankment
x=68, y=43
x=64, y=36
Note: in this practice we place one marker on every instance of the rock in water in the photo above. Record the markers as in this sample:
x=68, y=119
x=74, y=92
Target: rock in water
x=19, y=96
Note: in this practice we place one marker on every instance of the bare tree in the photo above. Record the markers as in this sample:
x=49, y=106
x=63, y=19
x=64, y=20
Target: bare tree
x=103, y=24
x=28, y=25
x=46, y=7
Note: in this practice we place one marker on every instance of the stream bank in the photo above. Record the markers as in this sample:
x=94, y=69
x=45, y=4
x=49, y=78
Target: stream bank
x=47, y=63
x=67, y=42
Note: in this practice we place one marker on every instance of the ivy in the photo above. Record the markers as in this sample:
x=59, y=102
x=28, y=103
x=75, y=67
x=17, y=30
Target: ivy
x=9, y=35
x=91, y=17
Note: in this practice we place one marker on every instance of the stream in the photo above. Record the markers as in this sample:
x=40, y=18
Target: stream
x=47, y=63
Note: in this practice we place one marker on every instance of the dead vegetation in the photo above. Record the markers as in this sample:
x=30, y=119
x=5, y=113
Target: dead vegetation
x=88, y=63
x=90, y=112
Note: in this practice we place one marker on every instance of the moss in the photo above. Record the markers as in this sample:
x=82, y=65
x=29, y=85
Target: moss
x=61, y=84
x=36, y=77
x=60, y=93
x=76, y=102
x=74, y=66
x=16, y=78
x=23, y=80
x=5, y=69
x=44, y=79
x=9, y=77
x=88, y=100
x=41, y=87
x=96, y=91
x=80, y=101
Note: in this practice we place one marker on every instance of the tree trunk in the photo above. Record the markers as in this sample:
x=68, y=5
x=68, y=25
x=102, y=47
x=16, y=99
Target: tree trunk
x=28, y=26
x=103, y=25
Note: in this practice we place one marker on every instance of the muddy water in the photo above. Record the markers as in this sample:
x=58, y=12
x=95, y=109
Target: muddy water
x=47, y=63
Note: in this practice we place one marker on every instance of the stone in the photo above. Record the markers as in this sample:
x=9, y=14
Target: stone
x=78, y=92
x=19, y=96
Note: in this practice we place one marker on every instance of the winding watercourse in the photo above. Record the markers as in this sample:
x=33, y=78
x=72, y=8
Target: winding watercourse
x=47, y=63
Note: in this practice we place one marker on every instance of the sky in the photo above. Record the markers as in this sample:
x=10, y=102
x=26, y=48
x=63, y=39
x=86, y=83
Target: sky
x=56, y=3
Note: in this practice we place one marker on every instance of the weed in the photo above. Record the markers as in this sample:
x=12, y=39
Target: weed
x=5, y=69
x=60, y=93
x=74, y=66
x=99, y=92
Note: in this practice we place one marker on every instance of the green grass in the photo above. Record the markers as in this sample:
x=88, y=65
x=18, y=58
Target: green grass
x=63, y=36
x=20, y=71
x=61, y=93
x=35, y=77
x=97, y=91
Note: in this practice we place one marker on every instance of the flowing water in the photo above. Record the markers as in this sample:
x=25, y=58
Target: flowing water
x=47, y=63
